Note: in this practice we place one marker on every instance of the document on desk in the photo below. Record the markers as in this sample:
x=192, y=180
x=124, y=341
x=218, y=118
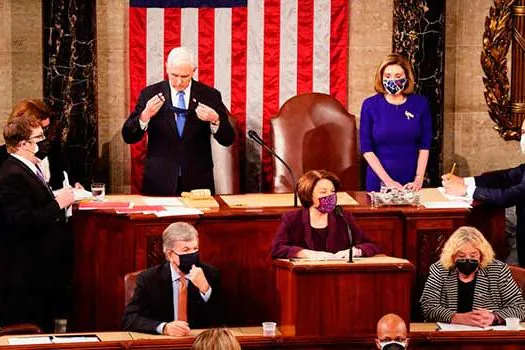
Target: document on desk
x=63, y=339
x=178, y=211
x=461, y=327
x=29, y=340
x=164, y=201
x=447, y=205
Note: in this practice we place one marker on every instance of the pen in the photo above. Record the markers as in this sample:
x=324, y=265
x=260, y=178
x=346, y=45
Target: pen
x=452, y=170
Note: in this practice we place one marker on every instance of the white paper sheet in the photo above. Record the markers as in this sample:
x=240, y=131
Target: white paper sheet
x=461, y=327
x=454, y=198
x=75, y=339
x=29, y=340
x=165, y=201
x=178, y=211
x=447, y=205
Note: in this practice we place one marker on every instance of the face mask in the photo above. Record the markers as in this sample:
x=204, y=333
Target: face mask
x=394, y=86
x=467, y=266
x=35, y=150
x=522, y=143
x=186, y=261
x=327, y=203
x=43, y=149
x=392, y=345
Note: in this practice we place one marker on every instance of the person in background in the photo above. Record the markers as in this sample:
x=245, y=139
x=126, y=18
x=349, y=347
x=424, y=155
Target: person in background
x=395, y=128
x=469, y=286
x=392, y=333
x=35, y=246
x=179, y=116
x=216, y=339
x=179, y=295
x=315, y=231
x=50, y=155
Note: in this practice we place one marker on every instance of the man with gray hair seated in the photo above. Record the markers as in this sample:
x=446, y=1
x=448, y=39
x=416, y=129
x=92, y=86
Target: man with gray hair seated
x=179, y=115
x=180, y=294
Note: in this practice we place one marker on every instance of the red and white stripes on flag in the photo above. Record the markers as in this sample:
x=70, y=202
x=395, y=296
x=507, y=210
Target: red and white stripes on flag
x=257, y=53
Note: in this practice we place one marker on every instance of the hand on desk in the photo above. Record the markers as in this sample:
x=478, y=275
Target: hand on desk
x=478, y=318
x=314, y=254
x=176, y=329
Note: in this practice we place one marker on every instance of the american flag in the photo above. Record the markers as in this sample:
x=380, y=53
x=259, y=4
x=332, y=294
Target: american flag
x=257, y=53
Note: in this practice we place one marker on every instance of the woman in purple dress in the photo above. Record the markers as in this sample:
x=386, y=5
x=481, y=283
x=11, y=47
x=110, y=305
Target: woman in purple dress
x=315, y=231
x=395, y=128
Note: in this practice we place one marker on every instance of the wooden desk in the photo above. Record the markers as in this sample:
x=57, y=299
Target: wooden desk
x=336, y=298
x=237, y=241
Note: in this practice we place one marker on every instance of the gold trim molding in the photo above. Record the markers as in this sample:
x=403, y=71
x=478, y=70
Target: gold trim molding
x=496, y=41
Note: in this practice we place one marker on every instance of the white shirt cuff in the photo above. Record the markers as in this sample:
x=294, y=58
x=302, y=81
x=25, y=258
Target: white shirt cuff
x=143, y=125
x=214, y=128
x=469, y=181
x=160, y=327
x=470, y=191
x=206, y=296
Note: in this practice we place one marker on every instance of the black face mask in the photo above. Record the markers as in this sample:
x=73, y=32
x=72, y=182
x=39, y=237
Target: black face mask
x=43, y=149
x=186, y=261
x=467, y=266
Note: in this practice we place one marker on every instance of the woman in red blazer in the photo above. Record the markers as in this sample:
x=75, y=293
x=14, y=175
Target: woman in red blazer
x=315, y=231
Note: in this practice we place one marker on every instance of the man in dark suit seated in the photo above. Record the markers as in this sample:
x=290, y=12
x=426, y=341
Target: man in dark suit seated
x=179, y=295
x=179, y=115
x=34, y=243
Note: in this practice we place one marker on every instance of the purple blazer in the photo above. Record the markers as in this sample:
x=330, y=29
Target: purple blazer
x=295, y=234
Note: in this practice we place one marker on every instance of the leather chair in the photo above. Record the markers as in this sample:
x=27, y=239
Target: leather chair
x=518, y=274
x=226, y=164
x=23, y=328
x=314, y=131
x=130, y=281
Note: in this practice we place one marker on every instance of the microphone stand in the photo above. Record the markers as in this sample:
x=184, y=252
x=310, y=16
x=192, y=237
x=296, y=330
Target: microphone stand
x=339, y=212
x=255, y=137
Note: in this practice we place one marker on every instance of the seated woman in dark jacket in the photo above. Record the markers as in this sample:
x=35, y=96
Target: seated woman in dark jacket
x=469, y=286
x=315, y=231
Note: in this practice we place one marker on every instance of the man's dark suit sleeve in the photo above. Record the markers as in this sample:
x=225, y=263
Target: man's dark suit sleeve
x=214, y=305
x=510, y=190
x=131, y=131
x=135, y=317
x=225, y=134
x=20, y=213
x=501, y=178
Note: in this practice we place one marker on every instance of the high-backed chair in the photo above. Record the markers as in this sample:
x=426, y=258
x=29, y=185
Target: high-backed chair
x=314, y=131
x=226, y=164
x=518, y=273
x=130, y=281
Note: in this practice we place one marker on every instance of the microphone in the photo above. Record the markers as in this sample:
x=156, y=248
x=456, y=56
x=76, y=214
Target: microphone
x=338, y=211
x=255, y=137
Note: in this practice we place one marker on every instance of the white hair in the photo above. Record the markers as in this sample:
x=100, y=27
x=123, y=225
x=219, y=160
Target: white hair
x=178, y=231
x=181, y=55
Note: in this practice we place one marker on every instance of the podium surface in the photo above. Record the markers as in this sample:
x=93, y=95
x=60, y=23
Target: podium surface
x=337, y=298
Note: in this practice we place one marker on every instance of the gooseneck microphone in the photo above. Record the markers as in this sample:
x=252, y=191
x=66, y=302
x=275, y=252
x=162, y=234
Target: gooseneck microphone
x=338, y=211
x=255, y=137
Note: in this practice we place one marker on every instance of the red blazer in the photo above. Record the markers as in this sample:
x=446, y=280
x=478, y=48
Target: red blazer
x=295, y=234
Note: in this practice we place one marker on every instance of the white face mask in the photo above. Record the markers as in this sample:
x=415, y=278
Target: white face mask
x=522, y=143
x=36, y=148
x=391, y=345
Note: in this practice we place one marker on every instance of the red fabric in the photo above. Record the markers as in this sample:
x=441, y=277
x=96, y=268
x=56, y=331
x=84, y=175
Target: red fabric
x=272, y=19
x=339, y=50
x=305, y=43
x=137, y=65
x=206, y=45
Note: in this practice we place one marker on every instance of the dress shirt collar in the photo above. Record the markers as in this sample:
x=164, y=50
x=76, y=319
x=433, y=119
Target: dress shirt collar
x=26, y=161
x=175, y=97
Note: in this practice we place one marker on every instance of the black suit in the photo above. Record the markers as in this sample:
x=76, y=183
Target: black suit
x=168, y=153
x=34, y=248
x=152, y=301
x=56, y=164
x=506, y=188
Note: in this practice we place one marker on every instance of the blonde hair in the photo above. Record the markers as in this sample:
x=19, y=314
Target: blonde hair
x=466, y=235
x=216, y=339
x=395, y=59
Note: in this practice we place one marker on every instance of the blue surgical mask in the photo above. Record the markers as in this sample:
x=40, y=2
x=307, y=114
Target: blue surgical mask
x=394, y=86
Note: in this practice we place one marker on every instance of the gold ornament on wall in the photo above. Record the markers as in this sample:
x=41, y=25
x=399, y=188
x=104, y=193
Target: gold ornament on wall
x=496, y=41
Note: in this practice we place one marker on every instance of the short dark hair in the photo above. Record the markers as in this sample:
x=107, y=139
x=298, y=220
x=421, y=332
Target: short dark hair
x=19, y=129
x=307, y=182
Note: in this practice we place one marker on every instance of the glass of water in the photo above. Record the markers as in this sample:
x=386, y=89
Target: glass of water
x=98, y=191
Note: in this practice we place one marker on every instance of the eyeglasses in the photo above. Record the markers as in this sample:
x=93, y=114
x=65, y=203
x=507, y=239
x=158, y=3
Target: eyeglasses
x=38, y=138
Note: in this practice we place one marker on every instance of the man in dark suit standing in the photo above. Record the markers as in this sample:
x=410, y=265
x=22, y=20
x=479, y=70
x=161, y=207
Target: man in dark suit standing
x=181, y=294
x=179, y=116
x=33, y=240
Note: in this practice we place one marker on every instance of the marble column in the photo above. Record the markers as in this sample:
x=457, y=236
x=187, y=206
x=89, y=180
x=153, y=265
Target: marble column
x=419, y=34
x=70, y=81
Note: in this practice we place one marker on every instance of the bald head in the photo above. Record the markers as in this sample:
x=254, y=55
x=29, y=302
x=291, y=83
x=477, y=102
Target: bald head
x=391, y=327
